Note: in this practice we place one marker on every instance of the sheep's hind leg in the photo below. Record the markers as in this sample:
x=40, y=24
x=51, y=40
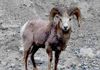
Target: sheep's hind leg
x=27, y=46
x=26, y=53
x=34, y=49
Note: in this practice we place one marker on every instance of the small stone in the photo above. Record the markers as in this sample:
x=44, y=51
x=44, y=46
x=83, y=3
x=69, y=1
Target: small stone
x=81, y=35
x=3, y=63
x=38, y=60
x=98, y=54
x=21, y=49
x=61, y=67
x=86, y=52
x=12, y=64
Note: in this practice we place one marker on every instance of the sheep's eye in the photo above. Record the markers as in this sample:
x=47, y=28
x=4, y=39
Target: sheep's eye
x=69, y=19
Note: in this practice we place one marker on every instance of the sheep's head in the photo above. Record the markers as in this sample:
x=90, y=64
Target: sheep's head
x=63, y=15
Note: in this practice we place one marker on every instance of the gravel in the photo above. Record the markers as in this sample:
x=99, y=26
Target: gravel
x=83, y=51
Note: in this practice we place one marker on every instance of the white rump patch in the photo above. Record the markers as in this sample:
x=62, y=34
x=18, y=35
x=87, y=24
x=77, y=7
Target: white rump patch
x=23, y=28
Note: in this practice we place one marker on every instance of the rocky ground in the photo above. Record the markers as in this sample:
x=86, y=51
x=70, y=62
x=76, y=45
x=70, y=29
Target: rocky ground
x=83, y=52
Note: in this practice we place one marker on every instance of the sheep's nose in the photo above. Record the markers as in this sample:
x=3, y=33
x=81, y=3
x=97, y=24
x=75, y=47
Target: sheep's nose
x=65, y=28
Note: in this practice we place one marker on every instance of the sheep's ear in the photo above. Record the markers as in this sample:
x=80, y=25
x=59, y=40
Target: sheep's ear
x=75, y=11
x=54, y=11
x=57, y=19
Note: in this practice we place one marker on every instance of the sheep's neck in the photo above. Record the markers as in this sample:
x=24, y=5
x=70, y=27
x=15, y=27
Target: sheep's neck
x=65, y=36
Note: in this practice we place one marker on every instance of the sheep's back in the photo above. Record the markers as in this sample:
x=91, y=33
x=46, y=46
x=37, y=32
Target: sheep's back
x=41, y=31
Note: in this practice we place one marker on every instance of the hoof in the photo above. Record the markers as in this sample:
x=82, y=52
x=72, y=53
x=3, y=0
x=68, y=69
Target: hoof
x=35, y=69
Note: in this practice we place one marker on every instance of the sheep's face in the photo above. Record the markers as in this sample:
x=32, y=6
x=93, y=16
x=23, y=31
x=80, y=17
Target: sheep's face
x=64, y=22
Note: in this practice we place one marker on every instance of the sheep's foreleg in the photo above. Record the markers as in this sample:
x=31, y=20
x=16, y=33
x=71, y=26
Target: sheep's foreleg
x=57, y=53
x=49, y=52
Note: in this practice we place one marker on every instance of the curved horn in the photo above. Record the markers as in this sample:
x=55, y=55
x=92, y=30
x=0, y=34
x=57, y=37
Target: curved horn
x=75, y=11
x=53, y=12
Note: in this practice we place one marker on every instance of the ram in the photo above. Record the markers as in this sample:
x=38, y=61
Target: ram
x=52, y=34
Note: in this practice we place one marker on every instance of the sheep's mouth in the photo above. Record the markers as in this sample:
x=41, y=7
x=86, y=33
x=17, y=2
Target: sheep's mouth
x=65, y=30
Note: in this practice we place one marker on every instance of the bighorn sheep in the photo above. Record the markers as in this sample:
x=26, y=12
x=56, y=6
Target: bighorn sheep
x=52, y=34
